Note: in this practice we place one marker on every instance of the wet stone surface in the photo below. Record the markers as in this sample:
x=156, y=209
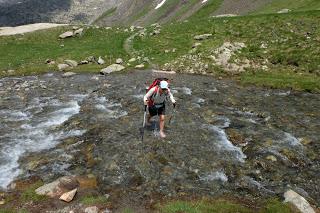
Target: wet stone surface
x=223, y=138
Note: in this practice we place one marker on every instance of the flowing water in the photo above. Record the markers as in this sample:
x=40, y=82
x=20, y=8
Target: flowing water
x=222, y=138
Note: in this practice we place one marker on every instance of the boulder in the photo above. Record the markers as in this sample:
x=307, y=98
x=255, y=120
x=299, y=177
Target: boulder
x=284, y=11
x=68, y=74
x=91, y=59
x=101, y=61
x=140, y=66
x=119, y=61
x=195, y=45
x=132, y=60
x=202, y=37
x=63, y=67
x=58, y=187
x=298, y=201
x=91, y=209
x=112, y=68
x=68, y=196
x=66, y=35
x=78, y=31
x=83, y=62
x=71, y=63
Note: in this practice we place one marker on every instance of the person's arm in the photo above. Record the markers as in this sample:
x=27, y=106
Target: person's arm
x=148, y=95
x=171, y=97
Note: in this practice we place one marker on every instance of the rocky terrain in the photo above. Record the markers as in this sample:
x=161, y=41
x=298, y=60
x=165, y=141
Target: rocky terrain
x=112, y=12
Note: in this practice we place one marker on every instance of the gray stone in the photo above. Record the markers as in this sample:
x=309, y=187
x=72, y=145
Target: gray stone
x=83, y=62
x=58, y=187
x=66, y=35
x=68, y=196
x=78, y=31
x=298, y=201
x=71, y=63
x=91, y=59
x=63, y=67
x=284, y=11
x=119, y=61
x=91, y=209
x=195, y=45
x=202, y=37
x=101, y=61
x=112, y=68
x=132, y=60
x=68, y=74
x=140, y=66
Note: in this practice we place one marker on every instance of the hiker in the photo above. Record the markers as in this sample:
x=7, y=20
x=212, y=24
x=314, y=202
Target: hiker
x=155, y=100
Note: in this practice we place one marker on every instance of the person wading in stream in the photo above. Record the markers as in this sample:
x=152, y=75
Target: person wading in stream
x=155, y=100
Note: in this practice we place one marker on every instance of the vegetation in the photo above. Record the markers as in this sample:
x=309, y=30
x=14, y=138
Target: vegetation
x=225, y=206
x=27, y=53
x=286, y=44
x=295, y=5
x=93, y=200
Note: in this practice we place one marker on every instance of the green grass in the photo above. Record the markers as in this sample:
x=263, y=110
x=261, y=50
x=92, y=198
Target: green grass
x=27, y=53
x=275, y=206
x=294, y=5
x=94, y=200
x=282, y=79
x=30, y=195
x=224, y=206
x=203, y=207
x=292, y=44
x=207, y=10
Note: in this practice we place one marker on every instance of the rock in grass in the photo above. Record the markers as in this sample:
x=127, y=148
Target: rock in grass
x=71, y=63
x=140, y=66
x=78, y=31
x=284, y=11
x=63, y=67
x=298, y=201
x=68, y=196
x=132, y=60
x=202, y=37
x=66, y=35
x=101, y=61
x=112, y=68
x=58, y=187
x=119, y=61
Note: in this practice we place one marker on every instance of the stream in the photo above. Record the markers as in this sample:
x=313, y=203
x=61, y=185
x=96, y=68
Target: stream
x=223, y=137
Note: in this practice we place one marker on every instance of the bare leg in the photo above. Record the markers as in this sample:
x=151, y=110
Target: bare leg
x=149, y=120
x=161, y=117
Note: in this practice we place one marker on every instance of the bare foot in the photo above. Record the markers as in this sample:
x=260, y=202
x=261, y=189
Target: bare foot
x=162, y=135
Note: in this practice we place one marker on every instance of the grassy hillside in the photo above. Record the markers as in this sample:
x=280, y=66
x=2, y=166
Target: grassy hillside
x=26, y=54
x=282, y=49
x=290, y=40
x=294, y=5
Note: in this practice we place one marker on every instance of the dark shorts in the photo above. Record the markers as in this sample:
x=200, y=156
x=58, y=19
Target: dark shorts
x=157, y=110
